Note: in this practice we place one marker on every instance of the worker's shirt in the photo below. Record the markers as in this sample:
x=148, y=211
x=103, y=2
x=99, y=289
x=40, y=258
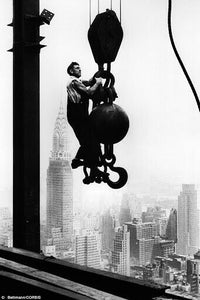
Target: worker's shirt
x=78, y=101
x=77, y=91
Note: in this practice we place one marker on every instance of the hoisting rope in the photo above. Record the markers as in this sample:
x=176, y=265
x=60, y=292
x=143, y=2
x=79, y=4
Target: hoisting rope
x=98, y=8
x=178, y=56
x=90, y=12
x=120, y=11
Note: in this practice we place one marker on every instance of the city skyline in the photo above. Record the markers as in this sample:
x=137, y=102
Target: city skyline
x=140, y=248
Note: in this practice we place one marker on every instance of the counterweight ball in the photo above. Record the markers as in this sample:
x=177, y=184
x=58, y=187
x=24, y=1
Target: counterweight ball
x=110, y=123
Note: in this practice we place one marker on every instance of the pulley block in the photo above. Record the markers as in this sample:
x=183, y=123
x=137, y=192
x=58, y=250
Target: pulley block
x=105, y=36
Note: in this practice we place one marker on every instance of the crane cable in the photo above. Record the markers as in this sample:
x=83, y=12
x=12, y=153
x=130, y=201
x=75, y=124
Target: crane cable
x=120, y=11
x=90, y=10
x=178, y=56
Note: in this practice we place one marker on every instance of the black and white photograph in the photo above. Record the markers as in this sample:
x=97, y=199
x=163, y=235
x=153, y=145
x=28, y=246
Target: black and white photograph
x=100, y=149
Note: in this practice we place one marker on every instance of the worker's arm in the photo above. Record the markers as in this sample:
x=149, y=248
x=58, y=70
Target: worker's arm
x=89, y=82
x=82, y=89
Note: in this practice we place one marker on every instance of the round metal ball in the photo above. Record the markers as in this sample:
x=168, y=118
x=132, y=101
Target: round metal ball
x=110, y=123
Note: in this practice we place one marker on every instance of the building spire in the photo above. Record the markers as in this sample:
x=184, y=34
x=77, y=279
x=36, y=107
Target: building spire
x=60, y=148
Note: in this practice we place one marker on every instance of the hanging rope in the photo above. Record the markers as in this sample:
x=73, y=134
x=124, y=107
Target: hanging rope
x=120, y=11
x=178, y=56
x=98, y=6
x=111, y=4
x=90, y=12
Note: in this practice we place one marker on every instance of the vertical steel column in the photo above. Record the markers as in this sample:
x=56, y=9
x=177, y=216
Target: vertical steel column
x=26, y=143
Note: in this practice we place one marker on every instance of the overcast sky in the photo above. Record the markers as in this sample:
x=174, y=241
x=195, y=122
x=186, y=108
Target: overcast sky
x=162, y=148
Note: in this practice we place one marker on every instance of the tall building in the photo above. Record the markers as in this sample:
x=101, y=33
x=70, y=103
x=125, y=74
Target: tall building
x=90, y=222
x=134, y=203
x=121, y=252
x=193, y=269
x=152, y=214
x=157, y=215
x=6, y=228
x=188, y=221
x=147, y=249
x=107, y=231
x=171, y=230
x=5, y=213
x=60, y=183
x=145, y=242
x=164, y=248
x=144, y=251
x=125, y=212
x=162, y=226
x=87, y=250
x=140, y=231
x=5, y=220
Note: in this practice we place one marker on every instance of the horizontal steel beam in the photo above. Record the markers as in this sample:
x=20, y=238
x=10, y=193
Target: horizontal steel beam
x=18, y=285
x=112, y=283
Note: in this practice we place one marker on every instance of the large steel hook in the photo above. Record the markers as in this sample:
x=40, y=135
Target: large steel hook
x=123, y=177
x=109, y=160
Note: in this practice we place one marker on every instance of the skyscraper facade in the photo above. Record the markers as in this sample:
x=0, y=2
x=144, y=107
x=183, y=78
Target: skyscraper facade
x=188, y=221
x=141, y=231
x=133, y=203
x=60, y=183
x=145, y=242
x=121, y=252
x=144, y=251
x=6, y=227
x=107, y=231
x=171, y=230
x=87, y=250
x=125, y=212
x=152, y=214
x=193, y=269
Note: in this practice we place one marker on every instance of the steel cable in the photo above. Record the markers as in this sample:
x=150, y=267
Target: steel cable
x=178, y=56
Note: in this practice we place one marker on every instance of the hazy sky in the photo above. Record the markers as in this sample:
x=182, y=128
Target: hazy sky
x=162, y=148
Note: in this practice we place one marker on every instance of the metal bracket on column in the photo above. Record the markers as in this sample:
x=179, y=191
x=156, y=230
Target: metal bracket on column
x=44, y=18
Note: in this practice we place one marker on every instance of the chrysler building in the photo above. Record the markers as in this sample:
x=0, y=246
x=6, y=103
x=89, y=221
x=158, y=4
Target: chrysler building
x=60, y=184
